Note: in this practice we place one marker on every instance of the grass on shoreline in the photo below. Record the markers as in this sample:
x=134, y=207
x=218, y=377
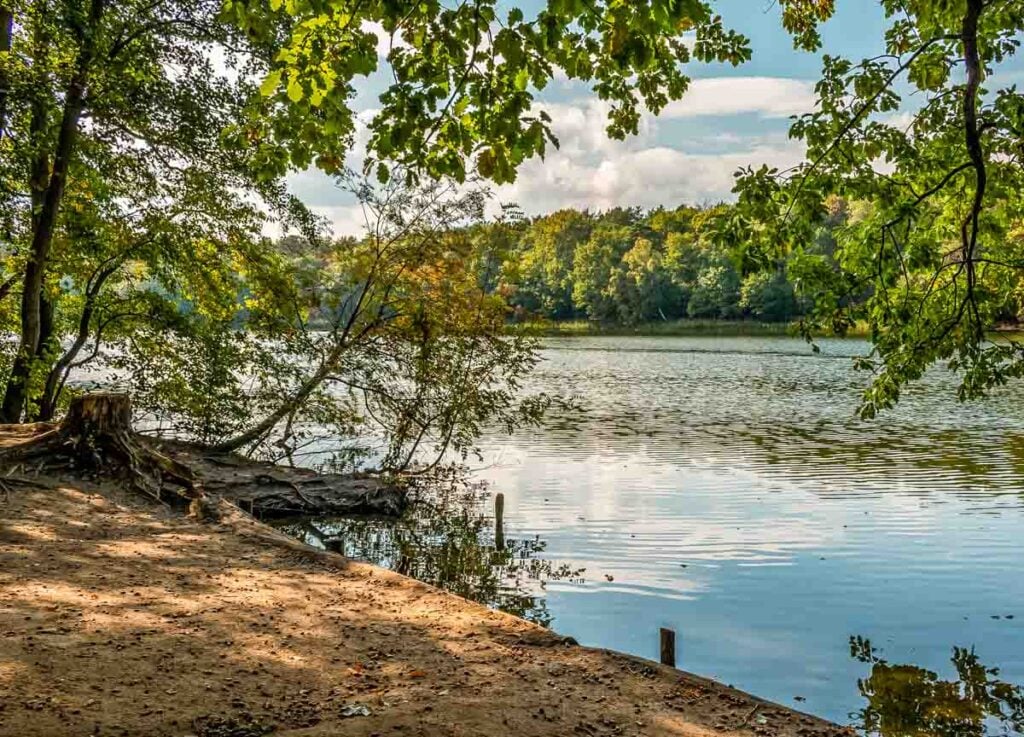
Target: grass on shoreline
x=724, y=328
x=707, y=328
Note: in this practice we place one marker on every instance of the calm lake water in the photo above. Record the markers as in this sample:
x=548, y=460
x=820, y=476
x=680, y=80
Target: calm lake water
x=723, y=487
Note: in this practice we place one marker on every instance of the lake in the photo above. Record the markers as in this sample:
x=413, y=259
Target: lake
x=724, y=487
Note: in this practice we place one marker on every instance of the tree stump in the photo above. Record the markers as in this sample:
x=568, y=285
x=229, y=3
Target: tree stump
x=96, y=439
x=98, y=414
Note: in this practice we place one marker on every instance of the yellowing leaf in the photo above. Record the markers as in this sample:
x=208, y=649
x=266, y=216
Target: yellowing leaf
x=270, y=84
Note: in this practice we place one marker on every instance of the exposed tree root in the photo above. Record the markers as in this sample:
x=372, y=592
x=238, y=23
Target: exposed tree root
x=96, y=439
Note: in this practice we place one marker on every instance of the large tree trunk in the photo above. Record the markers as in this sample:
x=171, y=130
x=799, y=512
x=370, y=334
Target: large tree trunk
x=267, y=424
x=329, y=365
x=6, y=36
x=47, y=405
x=34, y=411
x=44, y=226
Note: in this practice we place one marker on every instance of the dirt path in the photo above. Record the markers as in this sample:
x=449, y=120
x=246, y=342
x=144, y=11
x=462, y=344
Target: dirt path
x=117, y=618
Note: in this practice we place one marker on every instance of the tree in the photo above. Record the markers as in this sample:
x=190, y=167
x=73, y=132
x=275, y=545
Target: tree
x=929, y=158
x=645, y=290
x=626, y=266
x=461, y=75
x=116, y=184
x=543, y=269
x=396, y=338
x=597, y=270
x=716, y=293
x=119, y=108
x=768, y=296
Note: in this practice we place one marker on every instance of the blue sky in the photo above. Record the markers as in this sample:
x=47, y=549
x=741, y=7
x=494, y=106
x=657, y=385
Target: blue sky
x=731, y=117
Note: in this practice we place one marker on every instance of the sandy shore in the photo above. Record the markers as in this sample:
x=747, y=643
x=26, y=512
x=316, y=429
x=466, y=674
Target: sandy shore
x=120, y=618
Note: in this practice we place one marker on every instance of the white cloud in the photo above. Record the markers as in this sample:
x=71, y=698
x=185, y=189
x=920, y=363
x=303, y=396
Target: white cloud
x=589, y=170
x=768, y=97
x=580, y=126
x=647, y=177
x=345, y=219
x=385, y=41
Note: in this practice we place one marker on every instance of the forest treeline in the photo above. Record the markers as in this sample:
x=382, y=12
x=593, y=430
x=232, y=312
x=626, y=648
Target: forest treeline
x=627, y=266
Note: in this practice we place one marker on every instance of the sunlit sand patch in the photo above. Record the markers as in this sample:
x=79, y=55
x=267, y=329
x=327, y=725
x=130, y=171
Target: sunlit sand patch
x=137, y=548
x=678, y=726
x=29, y=530
x=10, y=671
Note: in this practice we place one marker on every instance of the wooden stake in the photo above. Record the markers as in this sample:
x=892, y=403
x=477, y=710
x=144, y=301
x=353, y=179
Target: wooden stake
x=668, y=647
x=499, y=521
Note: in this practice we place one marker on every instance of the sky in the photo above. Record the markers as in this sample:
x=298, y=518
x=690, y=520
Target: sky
x=731, y=117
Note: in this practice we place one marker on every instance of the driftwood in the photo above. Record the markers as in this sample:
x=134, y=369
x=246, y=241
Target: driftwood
x=96, y=440
x=267, y=490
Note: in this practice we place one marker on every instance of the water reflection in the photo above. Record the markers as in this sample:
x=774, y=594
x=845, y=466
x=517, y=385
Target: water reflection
x=771, y=407
x=909, y=701
x=448, y=539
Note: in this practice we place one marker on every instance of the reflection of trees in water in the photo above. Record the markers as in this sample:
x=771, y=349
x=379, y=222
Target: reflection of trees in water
x=837, y=455
x=448, y=540
x=908, y=701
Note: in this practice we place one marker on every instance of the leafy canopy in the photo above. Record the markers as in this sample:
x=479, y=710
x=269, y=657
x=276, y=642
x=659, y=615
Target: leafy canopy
x=918, y=152
x=462, y=75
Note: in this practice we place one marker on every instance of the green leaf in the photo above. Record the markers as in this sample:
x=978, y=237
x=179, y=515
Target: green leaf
x=522, y=79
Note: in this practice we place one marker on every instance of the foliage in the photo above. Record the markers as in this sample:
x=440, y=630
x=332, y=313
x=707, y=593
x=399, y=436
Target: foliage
x=715, y=293
x=768, y=296
x=137, y=177
x=541, y=262
x=927, y=153
x=461, y=74
x=143, y=147
x=123, y=209
x=390, y=336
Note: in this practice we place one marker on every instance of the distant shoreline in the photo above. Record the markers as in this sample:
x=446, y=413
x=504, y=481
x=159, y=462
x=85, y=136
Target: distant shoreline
x=678, y=328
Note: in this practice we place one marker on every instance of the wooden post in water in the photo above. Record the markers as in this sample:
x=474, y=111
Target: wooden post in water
x=499, y=521
x=668, y=647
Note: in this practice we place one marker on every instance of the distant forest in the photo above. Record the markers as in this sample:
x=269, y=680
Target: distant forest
x=628, y=266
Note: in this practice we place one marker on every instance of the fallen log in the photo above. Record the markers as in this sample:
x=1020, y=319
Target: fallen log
x=266, y=490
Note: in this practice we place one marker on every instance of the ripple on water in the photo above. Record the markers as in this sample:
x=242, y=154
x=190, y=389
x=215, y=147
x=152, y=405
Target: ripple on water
x=726, y=487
